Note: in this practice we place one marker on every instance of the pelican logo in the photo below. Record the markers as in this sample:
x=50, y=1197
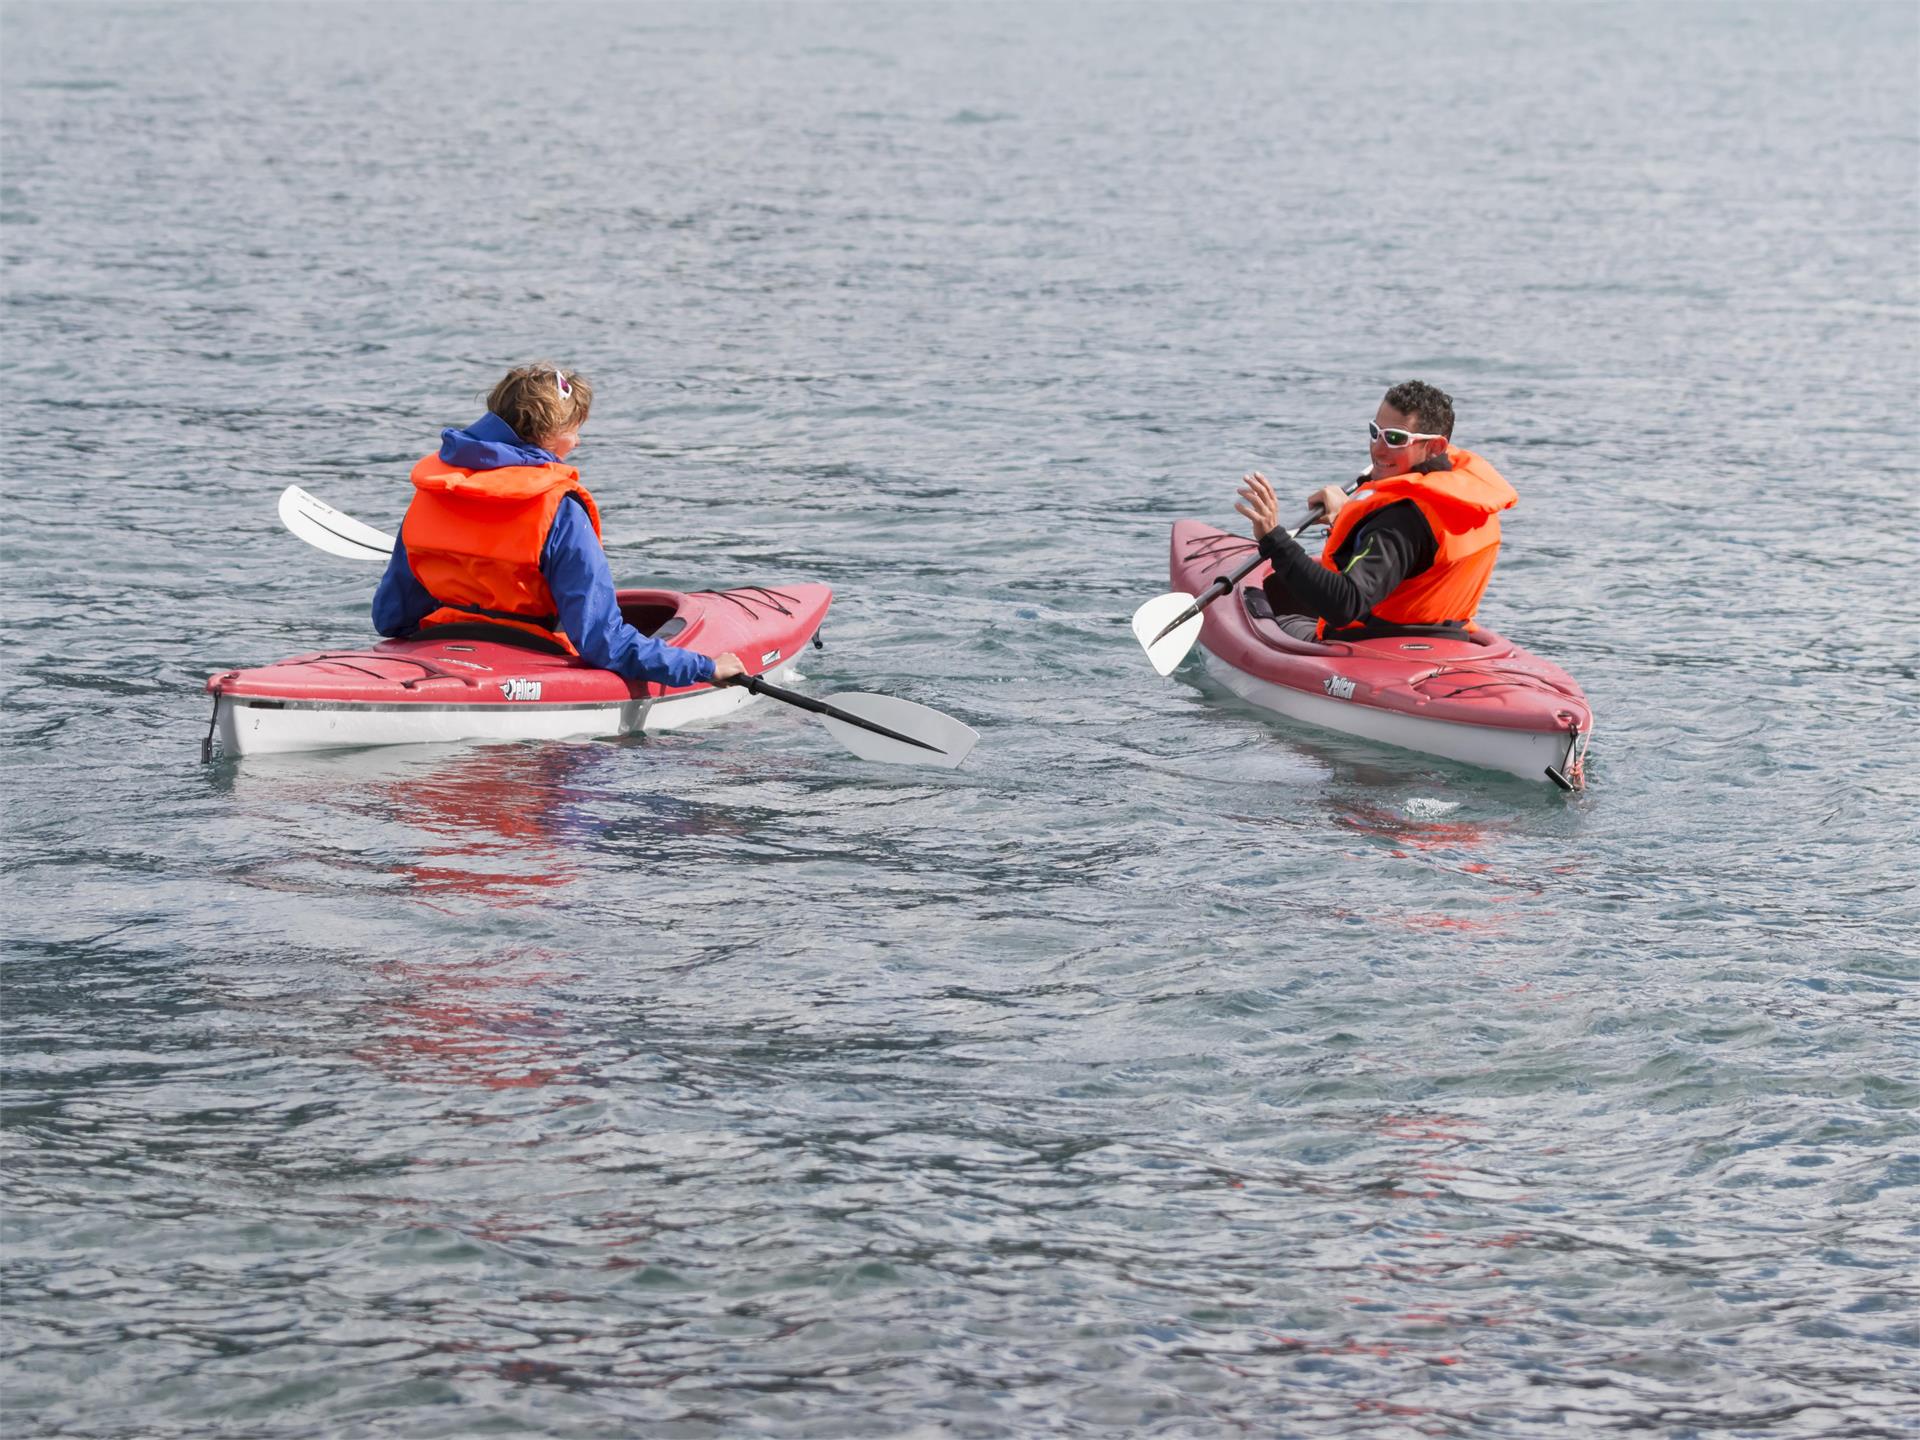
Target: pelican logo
x=1339, y=687
x=769, y=657
x=520, y=689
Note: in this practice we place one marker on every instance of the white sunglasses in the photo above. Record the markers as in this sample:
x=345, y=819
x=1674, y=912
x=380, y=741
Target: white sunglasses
x=1397, y=439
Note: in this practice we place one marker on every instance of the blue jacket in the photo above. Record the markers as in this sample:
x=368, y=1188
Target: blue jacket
x=573, y=563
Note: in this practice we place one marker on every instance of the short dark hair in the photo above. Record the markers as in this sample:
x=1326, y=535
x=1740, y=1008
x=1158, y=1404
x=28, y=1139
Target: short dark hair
x=1432, y=407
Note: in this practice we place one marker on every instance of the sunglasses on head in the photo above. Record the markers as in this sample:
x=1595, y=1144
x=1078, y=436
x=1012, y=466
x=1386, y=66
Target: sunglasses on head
x=1397, y=439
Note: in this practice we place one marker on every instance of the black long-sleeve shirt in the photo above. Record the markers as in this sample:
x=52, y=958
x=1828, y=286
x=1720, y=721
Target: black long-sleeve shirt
x=1384, y=549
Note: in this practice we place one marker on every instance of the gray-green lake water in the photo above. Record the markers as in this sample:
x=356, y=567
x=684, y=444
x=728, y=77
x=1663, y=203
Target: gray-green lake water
x=1165, y=1071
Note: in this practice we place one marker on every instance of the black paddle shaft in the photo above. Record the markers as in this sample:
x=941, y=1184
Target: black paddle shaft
x=1220, y=586
x=1224, y=583
x=755, y=685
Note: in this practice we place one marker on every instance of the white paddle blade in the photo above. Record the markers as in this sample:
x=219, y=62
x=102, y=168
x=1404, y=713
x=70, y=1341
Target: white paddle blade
x=326, y=528
x=1153, y=617
x=951, y=741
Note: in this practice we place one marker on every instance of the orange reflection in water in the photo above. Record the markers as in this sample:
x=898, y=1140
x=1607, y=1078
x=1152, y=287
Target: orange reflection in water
x=1459, y=847
x=509, y=821
x=442, y=1025
x=1414, y=833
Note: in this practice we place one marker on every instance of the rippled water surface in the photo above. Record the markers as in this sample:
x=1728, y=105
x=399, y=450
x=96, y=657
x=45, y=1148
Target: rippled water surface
x=1165, y=1071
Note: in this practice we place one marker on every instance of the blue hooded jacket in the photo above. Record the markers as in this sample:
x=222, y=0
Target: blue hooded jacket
x=573, y=563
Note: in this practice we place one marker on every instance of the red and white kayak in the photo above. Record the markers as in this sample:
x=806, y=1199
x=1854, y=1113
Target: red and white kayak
x=467, y=683
x=1471, y=697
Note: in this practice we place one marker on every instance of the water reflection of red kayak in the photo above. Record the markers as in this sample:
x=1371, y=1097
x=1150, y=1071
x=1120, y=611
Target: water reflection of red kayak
x=1474, y=698
x=467, y=683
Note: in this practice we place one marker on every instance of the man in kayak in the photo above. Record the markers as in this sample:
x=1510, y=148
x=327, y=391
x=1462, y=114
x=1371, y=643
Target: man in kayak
x=502, y=533
x=1412, y=546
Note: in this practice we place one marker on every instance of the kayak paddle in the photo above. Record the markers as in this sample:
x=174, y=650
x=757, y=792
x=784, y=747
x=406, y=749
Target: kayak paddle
x=879, y=727
x=1167, y=625
x=319, y=524
x=874, y=727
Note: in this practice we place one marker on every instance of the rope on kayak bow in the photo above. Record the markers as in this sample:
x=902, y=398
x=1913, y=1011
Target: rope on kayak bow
x=430, y=671
x=1215, y=546
x=1574, y=777
x=768, y=599
x=1484, y=676
x=1577, y=771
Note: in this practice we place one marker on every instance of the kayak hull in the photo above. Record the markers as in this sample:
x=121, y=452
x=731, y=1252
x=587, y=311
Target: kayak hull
x=473, y=685
x=256, y=727
x=1517, y=752
x=1476, y=698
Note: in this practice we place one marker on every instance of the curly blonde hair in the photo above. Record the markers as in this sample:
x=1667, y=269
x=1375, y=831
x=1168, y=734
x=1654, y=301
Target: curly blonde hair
x=541, y=400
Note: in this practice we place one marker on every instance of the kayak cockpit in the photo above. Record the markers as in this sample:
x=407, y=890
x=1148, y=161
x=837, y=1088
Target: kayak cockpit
x=655, y=613
x=1404, y=642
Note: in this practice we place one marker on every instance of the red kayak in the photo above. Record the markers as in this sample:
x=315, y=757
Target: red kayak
x=484, y=682
x=1469, y=696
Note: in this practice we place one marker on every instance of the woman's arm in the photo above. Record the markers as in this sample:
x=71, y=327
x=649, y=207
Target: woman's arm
x=576, y=570
x=401, y=602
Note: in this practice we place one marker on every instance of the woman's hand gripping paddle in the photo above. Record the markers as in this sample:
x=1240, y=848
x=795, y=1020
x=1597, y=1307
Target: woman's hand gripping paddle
x=874, y=727
x=1167, y=625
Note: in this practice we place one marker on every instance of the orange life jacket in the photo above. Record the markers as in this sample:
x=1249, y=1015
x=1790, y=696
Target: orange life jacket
x=1462, y=506
x=474, y=538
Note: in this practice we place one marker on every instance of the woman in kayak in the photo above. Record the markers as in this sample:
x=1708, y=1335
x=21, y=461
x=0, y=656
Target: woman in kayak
x=501, y=533
x=1412, y=546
